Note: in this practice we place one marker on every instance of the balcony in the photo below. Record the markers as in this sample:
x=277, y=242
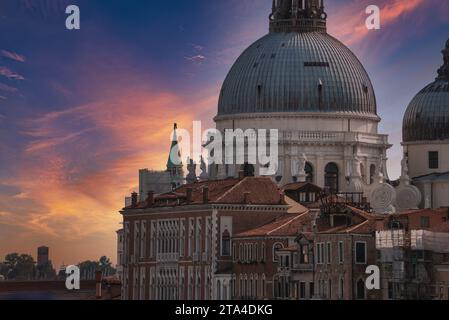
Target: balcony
x=333, y=136
x=303, y=267
x=167, y=257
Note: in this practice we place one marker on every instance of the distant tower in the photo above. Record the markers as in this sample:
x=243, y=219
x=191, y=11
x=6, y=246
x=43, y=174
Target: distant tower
x=174, y=163
x=42, y=255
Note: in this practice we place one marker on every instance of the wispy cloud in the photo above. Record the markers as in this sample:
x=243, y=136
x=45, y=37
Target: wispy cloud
x=6, y=88
x=13, y=56
x=6, y=72
x=199, y=58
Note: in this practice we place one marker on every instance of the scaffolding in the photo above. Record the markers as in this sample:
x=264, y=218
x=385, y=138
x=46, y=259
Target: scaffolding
x=406, y=261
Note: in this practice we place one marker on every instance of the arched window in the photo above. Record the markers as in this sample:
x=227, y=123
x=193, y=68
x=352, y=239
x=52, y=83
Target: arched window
x=262, y=286
x=360, y=290
x=256, y=249
x=226, y=243
x=309, y=172
x=218, y=290
x=372, y=173
x=262, y=253
x=331, y=178
x=225, y=291
x=277, y=246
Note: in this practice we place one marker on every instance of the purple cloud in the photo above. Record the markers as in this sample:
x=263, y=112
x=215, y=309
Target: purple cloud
x=4, y=71
x=13, y=56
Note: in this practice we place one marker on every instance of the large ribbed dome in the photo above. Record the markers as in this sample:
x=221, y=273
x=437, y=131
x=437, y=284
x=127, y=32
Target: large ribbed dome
x=297, y=72
x=427, y=116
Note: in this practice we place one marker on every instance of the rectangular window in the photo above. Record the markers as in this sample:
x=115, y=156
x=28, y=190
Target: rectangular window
x=360, y=252
x=318, y=254
x=322, y=255
x=311, y=289
x=341, y=252
x=433, y=160
x=425, y=222
x=390, y=291
x=302, y=290
x=329, y=253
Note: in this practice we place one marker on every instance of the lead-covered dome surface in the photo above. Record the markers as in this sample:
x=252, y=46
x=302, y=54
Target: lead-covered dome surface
x=297, y=72
x=427, y=116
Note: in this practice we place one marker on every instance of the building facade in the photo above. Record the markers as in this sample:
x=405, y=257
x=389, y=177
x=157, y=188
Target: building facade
x=178, y=245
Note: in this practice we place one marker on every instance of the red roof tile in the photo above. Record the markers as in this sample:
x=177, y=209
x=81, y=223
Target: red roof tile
x=258, y=190
x=287, y=225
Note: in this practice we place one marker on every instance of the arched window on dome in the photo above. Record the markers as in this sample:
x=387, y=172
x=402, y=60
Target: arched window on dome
x=309, y=172
x=331, y=178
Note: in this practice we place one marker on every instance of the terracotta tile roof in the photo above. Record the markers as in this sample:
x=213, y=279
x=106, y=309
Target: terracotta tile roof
x=422, y=212
x=295, y=207
x=365, y=223
x=288, y=225
x=258, y=190
x=298, y=185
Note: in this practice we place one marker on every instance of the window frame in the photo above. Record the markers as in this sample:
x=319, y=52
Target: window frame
x=366, y=252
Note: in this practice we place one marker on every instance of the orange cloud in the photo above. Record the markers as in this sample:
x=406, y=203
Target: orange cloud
x=351, y=19
x=81, y=162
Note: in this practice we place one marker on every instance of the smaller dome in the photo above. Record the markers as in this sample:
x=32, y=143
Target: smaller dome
x=427, y=116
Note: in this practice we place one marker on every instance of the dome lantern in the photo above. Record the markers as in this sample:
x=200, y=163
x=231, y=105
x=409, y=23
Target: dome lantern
x=443, y=72
x=298, y=16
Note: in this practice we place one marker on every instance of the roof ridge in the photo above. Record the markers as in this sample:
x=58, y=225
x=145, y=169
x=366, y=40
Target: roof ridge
x=229, y=191
x=288, y=222
x=357, y=226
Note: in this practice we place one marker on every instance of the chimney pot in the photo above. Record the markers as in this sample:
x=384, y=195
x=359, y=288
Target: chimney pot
x=282, y=198
x=134, y=199
x=150, y=199
x=98, y=280
x=246, y=197
x=206, y=194
x=189, y=195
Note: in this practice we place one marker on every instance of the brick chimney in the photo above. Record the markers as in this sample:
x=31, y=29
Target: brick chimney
x=150, y=199
x=282, y=198
x=98, y=280
x=241, y=174
x=134, y=199
x=189, y=195
x=205, y=194
x=246, y=197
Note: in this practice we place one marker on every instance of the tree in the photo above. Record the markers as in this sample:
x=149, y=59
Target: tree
x=88, y=268
x=20, y=267
x=106, y=268
x=3, y=269
x=45, y=271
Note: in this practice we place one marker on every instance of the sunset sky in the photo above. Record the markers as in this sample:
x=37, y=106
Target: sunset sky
x=82, y=111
